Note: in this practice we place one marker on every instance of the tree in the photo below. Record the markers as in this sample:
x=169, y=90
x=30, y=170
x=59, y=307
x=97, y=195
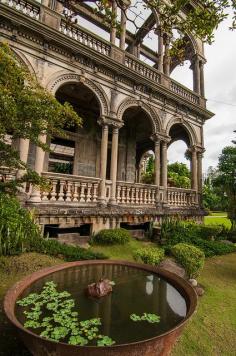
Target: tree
x=226, y=180
x=26, y=111
x=179, y=175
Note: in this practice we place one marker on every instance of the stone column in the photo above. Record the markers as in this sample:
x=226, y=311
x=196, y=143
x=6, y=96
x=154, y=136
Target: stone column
x=194, y=169
x=103, y=167
x=166, y=60
x=114, y=160
x=199, y=170
x=196, y=74
x=160, y=50
x=23, y=154
x=157, y=162
x=38, y=167
x=113, y=28
x=202, y=87
x=123, y=29
x=164, y=165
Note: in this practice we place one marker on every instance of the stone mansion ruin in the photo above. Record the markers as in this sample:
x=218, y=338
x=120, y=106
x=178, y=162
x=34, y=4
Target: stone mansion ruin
x=128, y=108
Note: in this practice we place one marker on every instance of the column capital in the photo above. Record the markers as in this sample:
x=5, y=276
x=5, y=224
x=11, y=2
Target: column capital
x=110, y=121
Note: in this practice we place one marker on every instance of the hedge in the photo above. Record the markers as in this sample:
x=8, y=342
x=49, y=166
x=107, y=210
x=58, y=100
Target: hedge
x=111, y=237
x=150, y=255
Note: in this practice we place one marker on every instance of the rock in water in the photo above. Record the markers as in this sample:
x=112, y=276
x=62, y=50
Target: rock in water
x=99, y=289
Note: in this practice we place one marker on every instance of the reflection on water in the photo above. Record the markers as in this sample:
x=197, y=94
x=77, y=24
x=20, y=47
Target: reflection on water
x=135, y=291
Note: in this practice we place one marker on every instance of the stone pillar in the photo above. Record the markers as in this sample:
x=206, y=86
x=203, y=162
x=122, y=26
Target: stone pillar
x=113, y=28
x=196, y=74
x=103, y=167
x=157, y=163
x=166, y=60
x=23, y=153
x=114, y=160
x=202, y=87
x=194, y=169
x=123, y=29
x=199, y=170
x=160, y=50
x=164, y=165
x=38, y=167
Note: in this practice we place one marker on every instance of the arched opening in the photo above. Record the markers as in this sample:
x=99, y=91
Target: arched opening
x=135, y=141
x=179, y=161
x=181, y=67
x=79, y=152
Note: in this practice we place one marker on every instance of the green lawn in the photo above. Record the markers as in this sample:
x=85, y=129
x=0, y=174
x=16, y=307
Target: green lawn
x=212, y=330
x=217, y=218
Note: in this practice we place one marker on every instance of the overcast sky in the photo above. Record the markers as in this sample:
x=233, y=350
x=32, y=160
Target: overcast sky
x=220, y=88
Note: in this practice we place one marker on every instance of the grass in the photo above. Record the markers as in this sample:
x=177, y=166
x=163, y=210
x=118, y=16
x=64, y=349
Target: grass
x=121, y=252
x=212, y=331
x=217, y=218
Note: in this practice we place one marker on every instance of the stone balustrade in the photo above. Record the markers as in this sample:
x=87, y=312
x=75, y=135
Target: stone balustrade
x=181, y=197
x=26, y=7
x=71, y=189
x=135, y=194
x=140, y=67
x=184, y=92
x=84, y=37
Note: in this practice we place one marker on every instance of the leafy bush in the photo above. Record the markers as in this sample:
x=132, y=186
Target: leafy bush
x=19, y=233
x=68, y=252
x=190, y=257
x=111, y=237
x=150, y=255
x=213, y=248
x=17, y=228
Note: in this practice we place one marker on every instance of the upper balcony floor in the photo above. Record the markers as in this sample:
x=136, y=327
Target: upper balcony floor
x=124, y=53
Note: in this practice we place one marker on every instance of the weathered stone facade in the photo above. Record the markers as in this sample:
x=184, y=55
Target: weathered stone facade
x=128, y=108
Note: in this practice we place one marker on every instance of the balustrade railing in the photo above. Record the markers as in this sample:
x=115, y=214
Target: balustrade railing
x=71, y=189
x=181, y=197
x=142, y=68
x=84, y=37
x=184, y=92
x=26, y=7
x=135, y=194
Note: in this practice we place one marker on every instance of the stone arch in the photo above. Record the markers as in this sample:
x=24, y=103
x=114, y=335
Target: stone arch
x=188, y=128
x=154, y=118
x=23, y=60
x=67, y=78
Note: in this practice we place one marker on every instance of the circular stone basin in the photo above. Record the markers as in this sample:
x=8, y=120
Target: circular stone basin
x=138, y=289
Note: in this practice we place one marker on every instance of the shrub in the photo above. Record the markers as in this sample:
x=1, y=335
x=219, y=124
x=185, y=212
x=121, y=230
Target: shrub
x=150, y=255
x=111, y=237
x=19, y=233
x=17, y=227
x=213, y=248
x=190, y=257
x=68, y=252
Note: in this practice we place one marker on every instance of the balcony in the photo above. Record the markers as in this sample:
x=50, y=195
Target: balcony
x=127, y=64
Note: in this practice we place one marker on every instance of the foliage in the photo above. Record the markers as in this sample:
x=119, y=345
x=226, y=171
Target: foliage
x=214, y=198
x=53, y=314
x=226, y=180
x=17, y=228
x=150, y=318
x=19, y=233
x=176, y=231
x=26, y=111
x=111, y=237
x=179, y=175
x=68, y=252
x=149, y=255
x=65, y=168
x=190, y=257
